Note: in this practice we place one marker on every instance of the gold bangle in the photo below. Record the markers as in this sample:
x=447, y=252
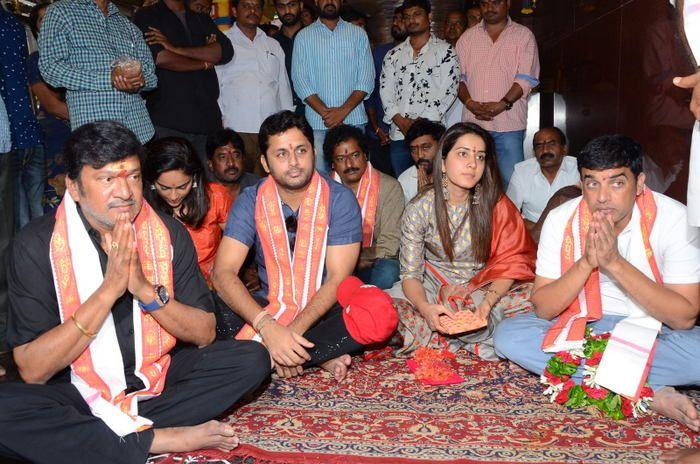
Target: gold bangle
x=82, y=329
x=259, y=318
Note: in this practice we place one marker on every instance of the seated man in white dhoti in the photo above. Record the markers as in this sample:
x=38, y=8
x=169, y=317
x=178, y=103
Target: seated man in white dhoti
x=620, y=258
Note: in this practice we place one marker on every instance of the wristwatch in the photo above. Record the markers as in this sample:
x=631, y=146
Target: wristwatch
x=162, y=298
x=509, y=105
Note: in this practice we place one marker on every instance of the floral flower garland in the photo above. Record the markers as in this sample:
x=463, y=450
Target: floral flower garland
x=562, y=390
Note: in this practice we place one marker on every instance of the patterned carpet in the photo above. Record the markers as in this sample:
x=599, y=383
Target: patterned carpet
x=380, y=414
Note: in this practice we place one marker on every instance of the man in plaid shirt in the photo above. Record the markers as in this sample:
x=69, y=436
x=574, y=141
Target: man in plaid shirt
x=78, y=43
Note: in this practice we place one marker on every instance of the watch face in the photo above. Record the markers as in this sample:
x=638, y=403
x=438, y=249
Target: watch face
x=162, y=294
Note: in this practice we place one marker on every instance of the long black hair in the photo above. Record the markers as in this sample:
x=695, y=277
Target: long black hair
x=176, y=154
x=489, y=188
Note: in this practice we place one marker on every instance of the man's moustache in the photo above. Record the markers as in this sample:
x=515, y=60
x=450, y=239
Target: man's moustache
x=350, y=170
x=121, y=204
x=547, y=156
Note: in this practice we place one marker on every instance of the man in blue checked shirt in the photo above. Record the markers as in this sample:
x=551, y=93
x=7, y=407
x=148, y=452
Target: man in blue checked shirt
x=78, y=43
x=333, y=71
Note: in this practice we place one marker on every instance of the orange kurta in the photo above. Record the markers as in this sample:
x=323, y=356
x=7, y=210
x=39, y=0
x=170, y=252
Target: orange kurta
x=207, y=237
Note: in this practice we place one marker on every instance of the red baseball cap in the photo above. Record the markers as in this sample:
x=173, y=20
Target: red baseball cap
x=368, y=312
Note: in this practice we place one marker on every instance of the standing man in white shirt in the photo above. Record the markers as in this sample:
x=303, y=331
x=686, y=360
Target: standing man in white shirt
x=254, y=84
x=535, y=180
x=419, y=79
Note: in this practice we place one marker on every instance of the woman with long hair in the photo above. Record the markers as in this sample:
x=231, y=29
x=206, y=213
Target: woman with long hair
x=464, y=246
x=175, y=185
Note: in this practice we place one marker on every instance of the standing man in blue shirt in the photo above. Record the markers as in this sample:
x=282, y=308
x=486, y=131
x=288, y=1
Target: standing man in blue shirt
x=333, y=72
x=79, y=42
x=27, y=157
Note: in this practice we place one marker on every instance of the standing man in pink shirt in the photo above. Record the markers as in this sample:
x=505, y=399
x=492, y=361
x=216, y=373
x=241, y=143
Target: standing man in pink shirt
x=500, y=65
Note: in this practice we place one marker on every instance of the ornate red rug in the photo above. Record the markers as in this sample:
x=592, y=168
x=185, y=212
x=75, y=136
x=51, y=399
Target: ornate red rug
x=380, y=414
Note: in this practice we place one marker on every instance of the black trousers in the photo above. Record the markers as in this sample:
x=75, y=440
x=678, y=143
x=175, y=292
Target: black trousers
x=329, y=335
x=53, y=424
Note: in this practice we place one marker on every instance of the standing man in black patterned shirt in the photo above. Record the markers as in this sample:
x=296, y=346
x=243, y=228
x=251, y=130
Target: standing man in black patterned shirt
x=419, y=80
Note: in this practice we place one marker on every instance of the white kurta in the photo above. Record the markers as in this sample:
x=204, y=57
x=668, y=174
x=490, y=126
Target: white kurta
x=691, y=24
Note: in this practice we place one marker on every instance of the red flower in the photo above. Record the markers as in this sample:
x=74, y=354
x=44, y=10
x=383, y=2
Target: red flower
x=566, y=357
x=563, y=395
x=646, y=392
x=595, y=393
x=594, y=360
x=553, y=379
x=627, y=407
x=603, y=336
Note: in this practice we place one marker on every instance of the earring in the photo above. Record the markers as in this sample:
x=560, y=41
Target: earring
x=153, y=187
x=194, y=184
x=445, y=192
x=476, y=195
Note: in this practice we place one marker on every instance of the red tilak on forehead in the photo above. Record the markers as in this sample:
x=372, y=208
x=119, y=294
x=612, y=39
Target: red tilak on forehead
x=122, y=173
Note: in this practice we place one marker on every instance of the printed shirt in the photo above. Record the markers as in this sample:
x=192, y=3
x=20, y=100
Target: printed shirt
x=14, y=88
x=77, y=45
x=420, y=87
x=489, y=70
x=332, y=64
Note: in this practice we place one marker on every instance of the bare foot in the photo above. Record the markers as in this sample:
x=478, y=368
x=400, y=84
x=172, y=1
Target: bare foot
x=668, y=402
x=338, y=366
x=680, y=456
x=212, y=434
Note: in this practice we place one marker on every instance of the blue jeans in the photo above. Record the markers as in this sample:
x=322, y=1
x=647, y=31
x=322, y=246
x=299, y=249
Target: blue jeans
x=319, y=138
x=7, y=230
x=675, y=361
x=509, y=152
x=28, y=169
x=400, y=156
x=383, y=273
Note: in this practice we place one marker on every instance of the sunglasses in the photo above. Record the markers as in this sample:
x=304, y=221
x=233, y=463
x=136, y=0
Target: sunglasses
x=291, y=224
